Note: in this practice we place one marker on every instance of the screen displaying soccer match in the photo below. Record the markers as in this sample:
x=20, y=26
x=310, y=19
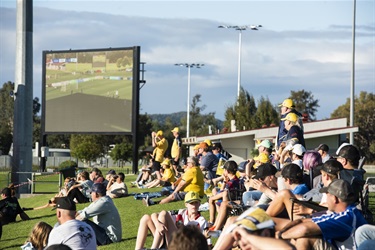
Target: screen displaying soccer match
x=90, y=91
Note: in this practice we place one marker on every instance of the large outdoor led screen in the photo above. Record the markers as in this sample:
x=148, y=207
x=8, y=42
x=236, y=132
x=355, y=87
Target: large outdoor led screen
x=90, y=91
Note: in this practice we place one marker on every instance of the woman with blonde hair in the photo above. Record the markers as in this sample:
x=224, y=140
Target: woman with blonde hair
x=38, y=237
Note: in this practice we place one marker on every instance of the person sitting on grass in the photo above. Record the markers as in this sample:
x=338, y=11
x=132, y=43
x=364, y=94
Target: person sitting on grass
x=80, y=192
x=38, y=237
x=192, y=180
x=116, y=187
x=106, y=218
x=68, y=183
x=162, y=225
x=167, y=178
x=69, y=231
x=9, y=209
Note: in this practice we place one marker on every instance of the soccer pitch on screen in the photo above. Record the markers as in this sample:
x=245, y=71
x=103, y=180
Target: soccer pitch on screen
x=90, y=91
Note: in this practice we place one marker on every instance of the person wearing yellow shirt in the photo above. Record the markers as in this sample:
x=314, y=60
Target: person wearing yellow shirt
x=192, y=180
x=161, y=145
x=176, y=150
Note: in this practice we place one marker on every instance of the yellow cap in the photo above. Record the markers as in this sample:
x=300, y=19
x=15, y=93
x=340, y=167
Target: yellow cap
x=255, y=219
x=287, y=103
x=176, y=129
x=196, y=147
x=159, y=133
x=290, y=117
x=166, y=162
x=209, y=143
x=191, y=197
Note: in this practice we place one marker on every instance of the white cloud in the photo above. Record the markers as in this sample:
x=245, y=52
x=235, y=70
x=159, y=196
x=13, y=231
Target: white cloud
x=273, y=62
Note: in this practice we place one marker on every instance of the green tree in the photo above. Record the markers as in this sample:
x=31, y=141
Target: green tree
x=125, y=61
x=6, y=117
x=199, y=123
x=123, y=152
x=243, y=112
x=266, y=114
x=364, y=118
x=119, y=62
x=305, y=103
x=86, y=148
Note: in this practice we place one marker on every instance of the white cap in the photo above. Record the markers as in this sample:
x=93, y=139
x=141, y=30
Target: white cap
x=298, y=149
x=341, y=146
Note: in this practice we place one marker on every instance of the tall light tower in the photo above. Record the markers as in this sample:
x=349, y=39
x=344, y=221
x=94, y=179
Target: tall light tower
x=240, y=29
x=352, y=82
x=189, y=66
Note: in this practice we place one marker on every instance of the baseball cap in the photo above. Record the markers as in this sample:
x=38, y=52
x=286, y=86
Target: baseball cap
x=176, y=129
x=111, y=172
x=264, y=170
x=192, y=196
x=166, y=162
x=292, y=171
x=290, y=117
x=331, y=167
x=209, y=143
x=242, y=166
x=350, y=152
x=98, y=188
x=65, y=203
x=159, y=133
x=298, y=149
x=255, y=219
x=323, y=147
x=287, y=103
x=216, y=145
x=203, y=145
x=341, y=146
x=230, y=166
x=341, y=189
x=265, y=143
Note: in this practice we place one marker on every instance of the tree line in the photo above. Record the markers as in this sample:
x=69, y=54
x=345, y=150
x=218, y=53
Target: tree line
x=246, y=111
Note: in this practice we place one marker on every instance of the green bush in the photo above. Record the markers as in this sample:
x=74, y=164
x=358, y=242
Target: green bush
x=68, y=164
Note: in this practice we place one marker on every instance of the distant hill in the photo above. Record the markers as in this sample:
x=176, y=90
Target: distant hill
x=175, y=118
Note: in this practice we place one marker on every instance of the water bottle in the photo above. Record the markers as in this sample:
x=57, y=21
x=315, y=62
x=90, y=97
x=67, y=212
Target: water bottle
x=179, y=220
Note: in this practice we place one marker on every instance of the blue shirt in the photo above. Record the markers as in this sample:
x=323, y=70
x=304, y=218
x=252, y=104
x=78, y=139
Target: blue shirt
x=339, y=226
x=300, y=189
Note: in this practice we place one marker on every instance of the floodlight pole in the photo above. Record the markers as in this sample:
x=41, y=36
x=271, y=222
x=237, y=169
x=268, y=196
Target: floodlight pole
x=240, y=29
x=351, y=134
x=23, y=96
x=189, y=66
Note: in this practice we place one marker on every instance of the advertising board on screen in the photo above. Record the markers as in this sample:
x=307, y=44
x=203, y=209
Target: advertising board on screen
x=90, y=91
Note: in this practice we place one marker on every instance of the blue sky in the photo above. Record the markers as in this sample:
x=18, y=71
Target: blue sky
x=302, y=45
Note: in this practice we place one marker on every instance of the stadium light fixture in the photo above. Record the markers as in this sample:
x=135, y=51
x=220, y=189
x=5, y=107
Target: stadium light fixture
x=240, y=29
x=189, y=66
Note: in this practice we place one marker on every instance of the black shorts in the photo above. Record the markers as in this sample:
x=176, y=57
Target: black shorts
x=175, y=163
x=156, y=166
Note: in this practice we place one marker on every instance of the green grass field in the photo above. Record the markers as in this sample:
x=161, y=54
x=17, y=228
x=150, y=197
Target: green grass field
x=130, y=210
x=98, y=85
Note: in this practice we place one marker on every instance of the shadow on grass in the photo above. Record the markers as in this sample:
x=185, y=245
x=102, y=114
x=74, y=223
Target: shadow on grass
x=44, y=216
x=17, y=238
x=18, y=246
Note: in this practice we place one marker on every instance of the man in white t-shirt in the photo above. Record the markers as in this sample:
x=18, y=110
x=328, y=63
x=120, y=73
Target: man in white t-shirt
x=69, y=231
x=116, y=186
